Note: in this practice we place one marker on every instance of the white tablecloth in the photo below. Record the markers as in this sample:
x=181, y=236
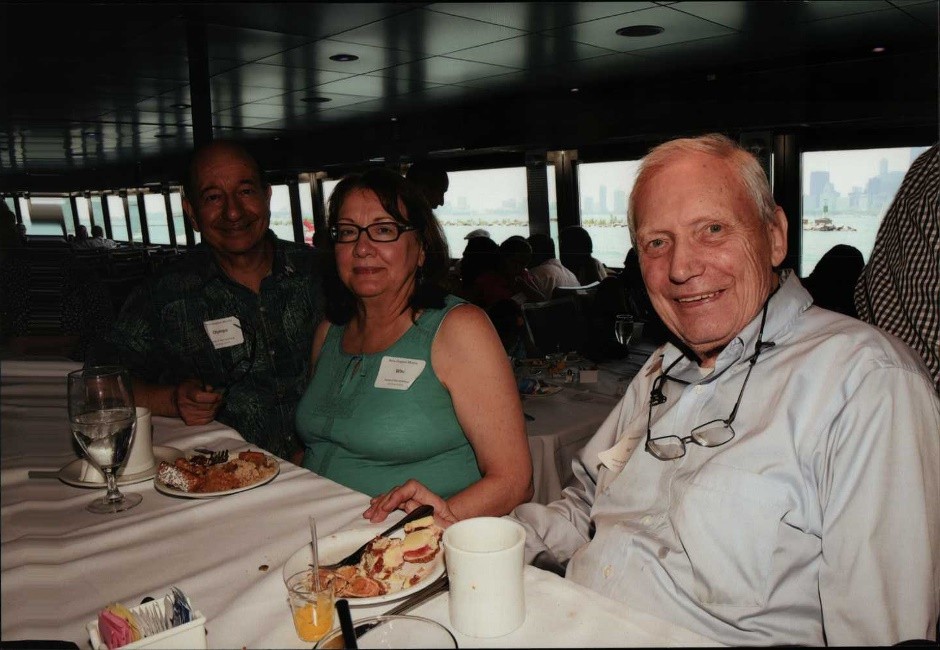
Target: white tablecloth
x=565, y=421
x=60, y=564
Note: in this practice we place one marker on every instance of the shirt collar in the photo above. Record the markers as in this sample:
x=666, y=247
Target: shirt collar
x=786, y=304
x=209, y=268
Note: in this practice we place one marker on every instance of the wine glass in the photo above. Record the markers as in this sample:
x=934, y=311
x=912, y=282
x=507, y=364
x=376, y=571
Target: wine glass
x=103, y=419
x=623, y=328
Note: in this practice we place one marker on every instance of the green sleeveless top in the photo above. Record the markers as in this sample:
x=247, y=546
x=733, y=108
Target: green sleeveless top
x=371, y=438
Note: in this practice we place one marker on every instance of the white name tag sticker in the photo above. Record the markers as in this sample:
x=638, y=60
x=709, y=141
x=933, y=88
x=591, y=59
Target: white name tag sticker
x=615, y=458
x=398, y=373
x=224, y=332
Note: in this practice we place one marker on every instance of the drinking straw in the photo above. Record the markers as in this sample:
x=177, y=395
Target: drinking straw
x=316, y=555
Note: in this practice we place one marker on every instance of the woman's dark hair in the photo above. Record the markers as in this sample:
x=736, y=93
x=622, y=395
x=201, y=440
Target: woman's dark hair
x=480, y=255
x=398, y=198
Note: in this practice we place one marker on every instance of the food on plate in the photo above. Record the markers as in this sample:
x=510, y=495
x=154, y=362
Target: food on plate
x=389, y=564
x=197, y=474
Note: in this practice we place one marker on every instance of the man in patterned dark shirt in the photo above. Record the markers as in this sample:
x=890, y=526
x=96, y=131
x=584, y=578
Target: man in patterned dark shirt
x=225, y=333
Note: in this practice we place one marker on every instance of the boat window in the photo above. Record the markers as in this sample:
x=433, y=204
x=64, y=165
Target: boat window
x=157, y=227
x=306, y=207
x=845, y=195
x=118, y=222
x=604, y=190
x=281, y=222
x=493, y=199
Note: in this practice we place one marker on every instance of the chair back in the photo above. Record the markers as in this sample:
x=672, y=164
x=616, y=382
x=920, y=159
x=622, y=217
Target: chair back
x=556, y=325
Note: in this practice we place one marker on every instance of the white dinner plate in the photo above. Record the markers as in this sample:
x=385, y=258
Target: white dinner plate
x=173, y=492
x=335, y=547
x=72, y=472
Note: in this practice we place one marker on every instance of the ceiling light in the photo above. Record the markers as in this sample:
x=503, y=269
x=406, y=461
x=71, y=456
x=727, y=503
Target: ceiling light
x=344, y=57
x=575, y=90
x=316, y=100
x=878, y=50
x=640, y=30
x=179, y=106
x=394, y=119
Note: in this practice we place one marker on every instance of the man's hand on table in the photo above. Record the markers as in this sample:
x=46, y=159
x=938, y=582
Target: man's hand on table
x=407, y=497
x=196, y=404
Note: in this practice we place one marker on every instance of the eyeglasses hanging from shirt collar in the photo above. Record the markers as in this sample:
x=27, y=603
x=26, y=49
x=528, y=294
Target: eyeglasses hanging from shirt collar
x=713, y=433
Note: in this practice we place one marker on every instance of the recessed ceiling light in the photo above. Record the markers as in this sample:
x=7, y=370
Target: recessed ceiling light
x=316, y=100
x=575, y=90
x=90, y=134
x=640, y=30
x=180, y=106
x=394, y=119
x=878, y=49
x=344, y=57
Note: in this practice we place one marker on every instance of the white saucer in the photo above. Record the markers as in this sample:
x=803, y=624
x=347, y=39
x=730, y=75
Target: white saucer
x=72, y=472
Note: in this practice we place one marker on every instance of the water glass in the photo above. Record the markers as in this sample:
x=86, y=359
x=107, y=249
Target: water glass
x=311, y=607
x=623, y=328
x=102, y=418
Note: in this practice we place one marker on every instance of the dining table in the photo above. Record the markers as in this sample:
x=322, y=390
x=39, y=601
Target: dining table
x=61, y=565
x=561, y=420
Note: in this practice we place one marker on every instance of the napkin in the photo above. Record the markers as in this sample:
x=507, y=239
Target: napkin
x=90, y=473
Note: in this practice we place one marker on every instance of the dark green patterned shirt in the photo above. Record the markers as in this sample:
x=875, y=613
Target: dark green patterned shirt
x=161, y=336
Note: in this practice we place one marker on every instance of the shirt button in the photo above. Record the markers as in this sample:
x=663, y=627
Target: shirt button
x=698, y=389
x=263, y=309
x=271, y=352
x=647, y=520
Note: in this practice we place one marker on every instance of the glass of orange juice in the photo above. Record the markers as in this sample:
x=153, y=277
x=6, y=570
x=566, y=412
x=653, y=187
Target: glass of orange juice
x=311, y=605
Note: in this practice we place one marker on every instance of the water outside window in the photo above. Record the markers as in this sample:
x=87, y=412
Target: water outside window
x=118, y=224
x=96, y=212
x=157, y=225
x=137, y=228
x=604, y=191
x=845, y=196
x=84, y=218
x=493, y=199
x=281, y=222
x=47, y=215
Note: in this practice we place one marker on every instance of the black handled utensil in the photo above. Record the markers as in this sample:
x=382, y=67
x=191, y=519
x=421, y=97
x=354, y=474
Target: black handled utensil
x=346, y=624
x=355, y=556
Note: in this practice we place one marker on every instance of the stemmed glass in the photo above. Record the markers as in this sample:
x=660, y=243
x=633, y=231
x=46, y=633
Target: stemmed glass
x=623, y=328
x=103, y=419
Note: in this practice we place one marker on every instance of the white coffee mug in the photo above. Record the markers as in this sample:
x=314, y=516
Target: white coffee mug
x=484, y=558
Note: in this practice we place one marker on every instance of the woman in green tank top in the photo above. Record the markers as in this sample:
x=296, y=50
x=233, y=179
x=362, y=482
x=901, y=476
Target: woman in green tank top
x=411, y=396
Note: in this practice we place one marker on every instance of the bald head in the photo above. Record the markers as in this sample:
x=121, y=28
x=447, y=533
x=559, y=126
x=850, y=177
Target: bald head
x=212, y=153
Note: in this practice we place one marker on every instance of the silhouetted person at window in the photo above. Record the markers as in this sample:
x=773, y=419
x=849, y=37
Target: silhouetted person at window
x=431, y=179
x=506, y=315
x=9, y=235
x=516, y=255
x=482, y=278
x=547, y=272
x=99, y=240
x=574, y=249
x=832, y=282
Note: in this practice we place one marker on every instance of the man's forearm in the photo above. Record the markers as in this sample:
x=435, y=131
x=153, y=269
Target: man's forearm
x=159, y=398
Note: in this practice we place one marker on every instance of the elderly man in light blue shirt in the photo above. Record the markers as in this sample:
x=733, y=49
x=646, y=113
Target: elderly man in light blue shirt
x=771, y=476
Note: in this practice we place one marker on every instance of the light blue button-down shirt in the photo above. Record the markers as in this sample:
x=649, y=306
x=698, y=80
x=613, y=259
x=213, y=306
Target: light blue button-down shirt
x=818, y=523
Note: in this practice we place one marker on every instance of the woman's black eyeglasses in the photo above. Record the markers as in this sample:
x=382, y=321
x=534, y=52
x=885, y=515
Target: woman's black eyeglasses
x=383, y=231
x=711, y=434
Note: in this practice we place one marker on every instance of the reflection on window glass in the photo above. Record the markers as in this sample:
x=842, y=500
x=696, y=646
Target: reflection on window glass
x=176, y=205
x=845, y=196
x=281, y=222
x=552, y=204
x=604, y=190
x=157, y=226
x=306, y=210
x=24, y=210
x=47, y=215
x=97, y=213
x=137, y=228
x=493, y=199
x=118, y=224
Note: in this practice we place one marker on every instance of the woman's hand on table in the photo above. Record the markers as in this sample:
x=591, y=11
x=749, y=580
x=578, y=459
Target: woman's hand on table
x=407, y=497
x=196, y=404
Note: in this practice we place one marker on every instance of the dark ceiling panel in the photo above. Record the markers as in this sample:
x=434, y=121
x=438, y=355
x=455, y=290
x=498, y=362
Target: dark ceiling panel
x=454, y=75
x=428, y=32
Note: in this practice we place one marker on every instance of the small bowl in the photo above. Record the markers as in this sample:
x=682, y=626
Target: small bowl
x=395, y=632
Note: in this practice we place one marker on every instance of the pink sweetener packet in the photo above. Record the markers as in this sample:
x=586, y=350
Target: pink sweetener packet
x=114, y=630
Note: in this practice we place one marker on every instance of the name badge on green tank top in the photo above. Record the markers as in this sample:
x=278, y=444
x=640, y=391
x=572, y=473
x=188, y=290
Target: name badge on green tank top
x=398, y=373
